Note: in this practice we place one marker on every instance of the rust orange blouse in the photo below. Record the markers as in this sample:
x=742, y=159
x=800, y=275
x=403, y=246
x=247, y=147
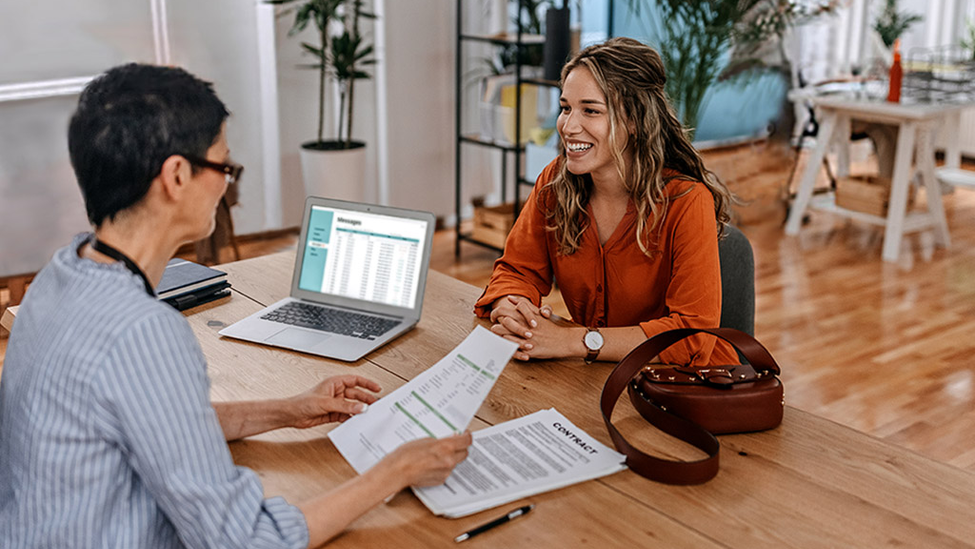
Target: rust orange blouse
x=616, y=284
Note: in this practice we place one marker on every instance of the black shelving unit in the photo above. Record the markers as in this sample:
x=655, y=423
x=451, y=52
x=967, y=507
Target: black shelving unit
x=520, y=40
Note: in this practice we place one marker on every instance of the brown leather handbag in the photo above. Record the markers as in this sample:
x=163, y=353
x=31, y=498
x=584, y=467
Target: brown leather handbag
x=694, y=404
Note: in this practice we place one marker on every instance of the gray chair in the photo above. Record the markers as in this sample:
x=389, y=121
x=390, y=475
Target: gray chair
x=737, y=281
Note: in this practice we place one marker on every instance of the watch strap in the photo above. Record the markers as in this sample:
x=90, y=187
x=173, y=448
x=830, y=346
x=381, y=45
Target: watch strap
x=591, y=354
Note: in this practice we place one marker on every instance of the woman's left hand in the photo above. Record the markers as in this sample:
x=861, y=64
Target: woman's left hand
x=336, y=399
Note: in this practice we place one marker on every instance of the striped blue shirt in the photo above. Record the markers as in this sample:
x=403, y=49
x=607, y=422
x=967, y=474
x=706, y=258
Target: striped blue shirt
x=107, y=434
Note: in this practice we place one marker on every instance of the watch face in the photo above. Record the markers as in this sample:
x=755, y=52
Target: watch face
x=594, y=341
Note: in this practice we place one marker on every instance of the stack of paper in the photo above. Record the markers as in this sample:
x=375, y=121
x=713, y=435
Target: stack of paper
x=186, y=284
x=539, y=452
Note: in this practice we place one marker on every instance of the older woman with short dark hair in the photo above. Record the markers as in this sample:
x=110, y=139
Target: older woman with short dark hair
x=108, y=437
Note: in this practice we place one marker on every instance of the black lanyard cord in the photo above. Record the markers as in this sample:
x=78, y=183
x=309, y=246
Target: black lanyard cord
x=113, y=253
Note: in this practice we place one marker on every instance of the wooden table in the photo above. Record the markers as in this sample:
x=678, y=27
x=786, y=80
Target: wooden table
x=809, y=483
x=916, y=125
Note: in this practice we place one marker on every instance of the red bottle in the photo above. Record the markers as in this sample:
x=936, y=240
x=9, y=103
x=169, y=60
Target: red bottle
x=896, y=75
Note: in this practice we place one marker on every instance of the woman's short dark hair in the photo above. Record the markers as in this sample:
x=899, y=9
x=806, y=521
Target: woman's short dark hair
x=128, y=122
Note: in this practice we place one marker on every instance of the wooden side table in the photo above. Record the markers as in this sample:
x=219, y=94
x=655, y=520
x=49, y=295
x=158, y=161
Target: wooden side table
x=915, y=137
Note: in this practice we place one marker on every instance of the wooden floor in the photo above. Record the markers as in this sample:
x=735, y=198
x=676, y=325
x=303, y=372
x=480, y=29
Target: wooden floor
x=888, y=349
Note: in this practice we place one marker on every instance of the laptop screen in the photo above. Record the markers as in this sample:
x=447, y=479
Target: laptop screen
x=363, y=255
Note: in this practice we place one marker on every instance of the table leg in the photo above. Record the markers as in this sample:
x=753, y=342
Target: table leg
x=925, y=161
x=897, y=204
x=813, y=165
x=843, y=131
x=952, y=124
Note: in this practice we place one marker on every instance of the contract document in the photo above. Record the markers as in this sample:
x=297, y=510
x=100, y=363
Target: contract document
x=536, y=453
x=439, y=402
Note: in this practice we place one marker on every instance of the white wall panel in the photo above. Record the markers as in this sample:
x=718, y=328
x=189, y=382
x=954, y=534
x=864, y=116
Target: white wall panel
x=40, y=42
x=216, y=40
x=40, y=203
x=54, y=39
x=420, y=70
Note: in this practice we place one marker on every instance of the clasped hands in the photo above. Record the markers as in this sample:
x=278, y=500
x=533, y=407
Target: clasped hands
x=517, y=319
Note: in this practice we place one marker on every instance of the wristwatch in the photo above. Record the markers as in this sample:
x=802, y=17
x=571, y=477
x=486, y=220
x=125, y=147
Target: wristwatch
x=594, y=342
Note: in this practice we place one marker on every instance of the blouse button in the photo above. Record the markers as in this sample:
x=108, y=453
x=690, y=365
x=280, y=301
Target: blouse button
x=599, y=287
x=600, y=323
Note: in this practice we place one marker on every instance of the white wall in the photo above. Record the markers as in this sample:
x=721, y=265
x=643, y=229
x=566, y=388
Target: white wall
x=40, y=43
x=216, y=41
x=420, y=72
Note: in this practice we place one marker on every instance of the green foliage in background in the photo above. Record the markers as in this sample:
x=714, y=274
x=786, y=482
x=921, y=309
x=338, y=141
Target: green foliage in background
x=892, y=23
x=695, y=36
x=968, y=42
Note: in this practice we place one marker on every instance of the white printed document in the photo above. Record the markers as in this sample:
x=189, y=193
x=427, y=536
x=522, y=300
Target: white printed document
x=536, y=453
x=439, y=402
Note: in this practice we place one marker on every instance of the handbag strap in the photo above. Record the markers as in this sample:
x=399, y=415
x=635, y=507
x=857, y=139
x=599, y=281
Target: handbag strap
x=662, y=470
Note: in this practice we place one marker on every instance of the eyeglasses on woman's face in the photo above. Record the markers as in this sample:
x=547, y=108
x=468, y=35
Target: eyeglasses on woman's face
x=231, y=171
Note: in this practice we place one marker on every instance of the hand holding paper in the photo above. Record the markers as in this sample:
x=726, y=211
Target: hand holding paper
x=536, y=453
x=439, y=402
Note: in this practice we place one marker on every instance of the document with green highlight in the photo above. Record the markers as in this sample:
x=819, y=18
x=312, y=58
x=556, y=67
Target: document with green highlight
x=439, y=402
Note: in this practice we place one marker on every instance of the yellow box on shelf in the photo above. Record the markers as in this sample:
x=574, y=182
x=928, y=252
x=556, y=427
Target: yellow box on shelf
x=866, y=193
x=492, y=223
x=529, y=112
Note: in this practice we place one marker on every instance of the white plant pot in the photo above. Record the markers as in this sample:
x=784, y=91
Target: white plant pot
x=338, y=173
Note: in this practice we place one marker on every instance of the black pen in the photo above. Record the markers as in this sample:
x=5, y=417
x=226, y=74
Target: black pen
x=494, y=523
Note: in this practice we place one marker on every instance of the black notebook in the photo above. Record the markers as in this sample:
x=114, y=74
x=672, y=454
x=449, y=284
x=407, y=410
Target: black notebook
x=200, y=296
x=183, y=277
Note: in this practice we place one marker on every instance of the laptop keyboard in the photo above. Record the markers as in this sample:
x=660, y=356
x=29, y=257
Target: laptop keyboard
x=335, y=321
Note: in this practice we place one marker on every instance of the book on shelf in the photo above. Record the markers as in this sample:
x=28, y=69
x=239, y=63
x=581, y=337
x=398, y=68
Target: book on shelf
x=186, y=284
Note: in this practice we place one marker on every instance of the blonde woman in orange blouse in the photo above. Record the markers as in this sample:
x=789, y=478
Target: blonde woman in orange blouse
x=626, y=221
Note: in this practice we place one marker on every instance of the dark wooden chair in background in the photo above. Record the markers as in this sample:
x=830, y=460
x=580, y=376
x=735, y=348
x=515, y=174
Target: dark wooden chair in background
x=208, y=249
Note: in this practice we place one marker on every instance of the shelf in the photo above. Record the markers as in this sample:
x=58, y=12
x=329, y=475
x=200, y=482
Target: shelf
x=913, y=221
x=956, y=176
x=477, y=140
x=466, y=237
x=519, y=41
x=505, y=39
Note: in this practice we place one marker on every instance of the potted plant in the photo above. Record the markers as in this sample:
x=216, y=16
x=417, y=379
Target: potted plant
x=334, y=167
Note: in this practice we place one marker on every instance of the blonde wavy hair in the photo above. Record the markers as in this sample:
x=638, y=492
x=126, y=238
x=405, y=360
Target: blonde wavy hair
x=631, y=75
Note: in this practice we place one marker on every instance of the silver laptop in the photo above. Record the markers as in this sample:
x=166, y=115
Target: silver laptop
x=358, y=282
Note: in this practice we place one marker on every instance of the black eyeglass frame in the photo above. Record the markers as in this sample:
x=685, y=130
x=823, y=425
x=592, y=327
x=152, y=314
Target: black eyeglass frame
x=232, y=171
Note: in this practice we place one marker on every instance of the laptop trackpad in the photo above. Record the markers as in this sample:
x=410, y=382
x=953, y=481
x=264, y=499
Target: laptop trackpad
x=296, y=338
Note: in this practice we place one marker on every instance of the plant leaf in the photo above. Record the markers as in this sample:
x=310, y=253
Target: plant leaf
x=318, y=52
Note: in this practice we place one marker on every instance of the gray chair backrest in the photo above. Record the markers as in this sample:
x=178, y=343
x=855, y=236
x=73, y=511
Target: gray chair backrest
x=737, y=281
